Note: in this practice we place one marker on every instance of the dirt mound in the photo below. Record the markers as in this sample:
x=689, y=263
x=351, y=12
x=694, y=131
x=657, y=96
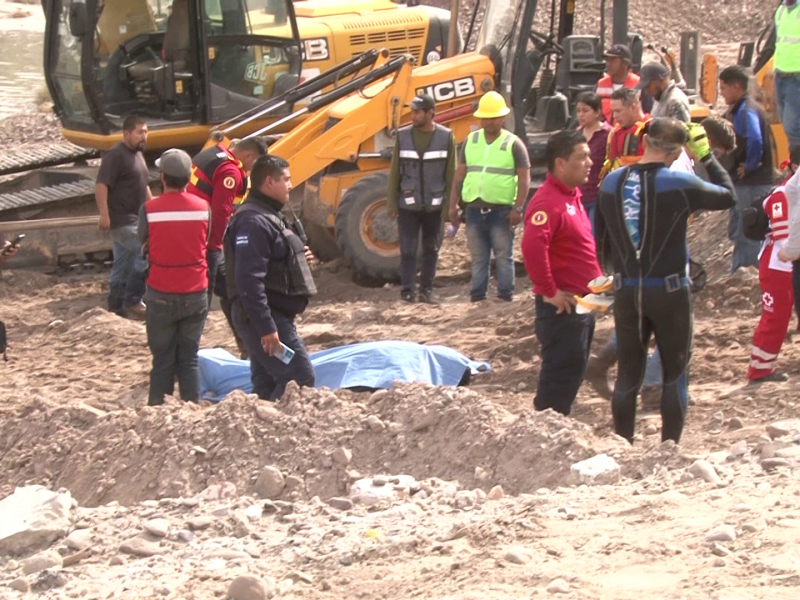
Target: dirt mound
x=133, y=454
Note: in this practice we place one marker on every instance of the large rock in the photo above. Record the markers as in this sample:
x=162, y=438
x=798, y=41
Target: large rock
x=250, y=587
x=270, y=483
x=138, y=546
x=42, y=561
x=598, y=470
x=33, y=518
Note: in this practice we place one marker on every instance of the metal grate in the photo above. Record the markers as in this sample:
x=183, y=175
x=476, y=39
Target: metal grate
x=35, y=157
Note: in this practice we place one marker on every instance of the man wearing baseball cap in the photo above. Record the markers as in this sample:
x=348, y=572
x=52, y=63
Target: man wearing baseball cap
x=618, y=75
x=420, y=178
x=175, y=228
x=655, y=81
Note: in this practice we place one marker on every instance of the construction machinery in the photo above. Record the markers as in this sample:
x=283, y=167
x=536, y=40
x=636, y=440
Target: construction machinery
x=340, y=154
x=187, y=66
x=339, y=141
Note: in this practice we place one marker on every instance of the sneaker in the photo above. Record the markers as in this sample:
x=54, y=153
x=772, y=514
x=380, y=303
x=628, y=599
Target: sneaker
x=427, y=297
x=136, y=312
x=408, y=296
x=506, y=298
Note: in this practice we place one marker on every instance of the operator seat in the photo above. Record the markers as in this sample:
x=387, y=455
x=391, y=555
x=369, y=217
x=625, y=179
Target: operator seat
x=175, y=48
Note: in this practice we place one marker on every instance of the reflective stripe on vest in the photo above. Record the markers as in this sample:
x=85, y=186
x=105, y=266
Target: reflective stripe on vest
x=491, y=171
x=604, y=89
x=423, y=178
x=787, y=40
x=205, y=164
x=177, y=224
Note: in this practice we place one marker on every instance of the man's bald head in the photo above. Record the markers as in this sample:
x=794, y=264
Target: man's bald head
x=667, y=135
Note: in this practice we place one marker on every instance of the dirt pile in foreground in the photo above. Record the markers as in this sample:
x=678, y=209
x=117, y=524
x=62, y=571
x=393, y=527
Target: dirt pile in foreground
x=721, y=525
x=325, y=440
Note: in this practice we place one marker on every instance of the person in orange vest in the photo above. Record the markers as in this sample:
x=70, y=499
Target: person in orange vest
x=618, y=75
x=219, y=175
x=625, y=145
x=174, y=227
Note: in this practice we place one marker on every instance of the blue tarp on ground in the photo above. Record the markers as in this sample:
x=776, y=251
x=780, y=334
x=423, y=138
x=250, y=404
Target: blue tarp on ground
x=371, y=365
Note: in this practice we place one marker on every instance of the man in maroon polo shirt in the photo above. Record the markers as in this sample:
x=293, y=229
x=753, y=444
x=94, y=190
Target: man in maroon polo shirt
x=561, y=259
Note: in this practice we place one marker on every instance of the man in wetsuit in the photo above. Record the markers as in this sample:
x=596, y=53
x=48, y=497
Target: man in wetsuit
x=642, y=215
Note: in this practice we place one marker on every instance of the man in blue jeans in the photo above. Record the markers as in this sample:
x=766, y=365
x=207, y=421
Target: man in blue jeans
x=492, y=180
x=175, y=228
x=120, y=191
x=752, y=169
x=787, y=68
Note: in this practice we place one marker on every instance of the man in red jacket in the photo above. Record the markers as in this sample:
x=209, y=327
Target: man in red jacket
x=219, y=176
x=175, y=228
x=560, y=257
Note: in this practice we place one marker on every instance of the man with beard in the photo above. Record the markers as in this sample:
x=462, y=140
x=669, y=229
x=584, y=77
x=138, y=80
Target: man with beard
x=120, y=191
x=655, y=81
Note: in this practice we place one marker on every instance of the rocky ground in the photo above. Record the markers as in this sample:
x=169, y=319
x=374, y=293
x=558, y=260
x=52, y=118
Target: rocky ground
x=415, y=491
x=723, y=21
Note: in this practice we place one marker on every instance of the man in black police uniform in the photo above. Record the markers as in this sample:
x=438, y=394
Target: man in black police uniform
x=269, y=280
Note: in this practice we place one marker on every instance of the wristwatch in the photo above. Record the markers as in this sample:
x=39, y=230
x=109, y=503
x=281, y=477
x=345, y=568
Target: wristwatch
x=519, y=209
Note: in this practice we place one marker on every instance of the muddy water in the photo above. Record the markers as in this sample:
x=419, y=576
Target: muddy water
x=20, y=70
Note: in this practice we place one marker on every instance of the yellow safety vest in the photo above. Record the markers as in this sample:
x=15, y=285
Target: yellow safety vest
x=787, y=41
x=491, y=171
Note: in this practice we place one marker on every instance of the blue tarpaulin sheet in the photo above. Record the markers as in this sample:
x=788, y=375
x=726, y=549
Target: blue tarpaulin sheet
x=373, y=365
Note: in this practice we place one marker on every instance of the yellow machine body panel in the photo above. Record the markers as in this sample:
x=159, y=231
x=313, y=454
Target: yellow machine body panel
x=365, y=124
x=765, y=90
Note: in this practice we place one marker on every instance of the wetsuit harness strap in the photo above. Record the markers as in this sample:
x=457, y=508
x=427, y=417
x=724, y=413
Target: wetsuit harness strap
x=671, y=283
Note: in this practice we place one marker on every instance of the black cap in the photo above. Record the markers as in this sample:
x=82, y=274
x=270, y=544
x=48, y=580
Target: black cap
x=651, y=71
x=422, y=102
x=619, y=50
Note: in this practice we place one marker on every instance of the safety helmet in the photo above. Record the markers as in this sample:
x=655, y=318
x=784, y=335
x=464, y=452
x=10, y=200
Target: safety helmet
x=492, y=106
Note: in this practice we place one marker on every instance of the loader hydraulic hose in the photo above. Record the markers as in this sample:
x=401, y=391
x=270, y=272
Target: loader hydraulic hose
x=303, y=90
x=348, y=88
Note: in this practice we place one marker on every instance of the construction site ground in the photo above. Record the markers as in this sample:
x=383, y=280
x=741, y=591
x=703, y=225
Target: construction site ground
x=170, y=500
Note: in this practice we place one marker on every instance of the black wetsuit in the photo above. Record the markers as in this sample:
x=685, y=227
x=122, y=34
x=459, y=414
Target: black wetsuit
x=652, y=293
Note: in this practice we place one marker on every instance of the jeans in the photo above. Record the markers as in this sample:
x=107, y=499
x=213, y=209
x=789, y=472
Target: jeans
x=174, y=326
x=127, y=280
x=787, y=97
x=217, y=285
x=745, y=251
x=269, y=374
x=410, y=223
x=565, y=340
x=488, y=231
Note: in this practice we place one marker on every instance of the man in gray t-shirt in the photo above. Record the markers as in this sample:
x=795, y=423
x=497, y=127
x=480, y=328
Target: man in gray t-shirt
x=120, y=190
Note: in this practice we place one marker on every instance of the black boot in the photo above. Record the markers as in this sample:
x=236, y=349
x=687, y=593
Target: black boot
x=426, y=296
x=597, y=370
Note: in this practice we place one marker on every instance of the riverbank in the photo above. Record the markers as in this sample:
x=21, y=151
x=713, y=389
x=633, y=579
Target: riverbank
x=22, y=16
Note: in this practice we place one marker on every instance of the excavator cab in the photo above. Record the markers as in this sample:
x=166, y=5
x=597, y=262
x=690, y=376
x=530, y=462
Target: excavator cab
x=171, y=61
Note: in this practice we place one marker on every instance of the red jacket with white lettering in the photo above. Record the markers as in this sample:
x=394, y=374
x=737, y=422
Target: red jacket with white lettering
x=177, y=230
x=605, y=87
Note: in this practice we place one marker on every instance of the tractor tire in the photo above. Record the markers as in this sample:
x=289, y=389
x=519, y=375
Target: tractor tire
x=365, y=232
x=322, y=241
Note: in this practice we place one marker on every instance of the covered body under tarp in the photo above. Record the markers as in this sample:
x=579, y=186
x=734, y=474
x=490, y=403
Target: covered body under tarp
x=368, y=365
